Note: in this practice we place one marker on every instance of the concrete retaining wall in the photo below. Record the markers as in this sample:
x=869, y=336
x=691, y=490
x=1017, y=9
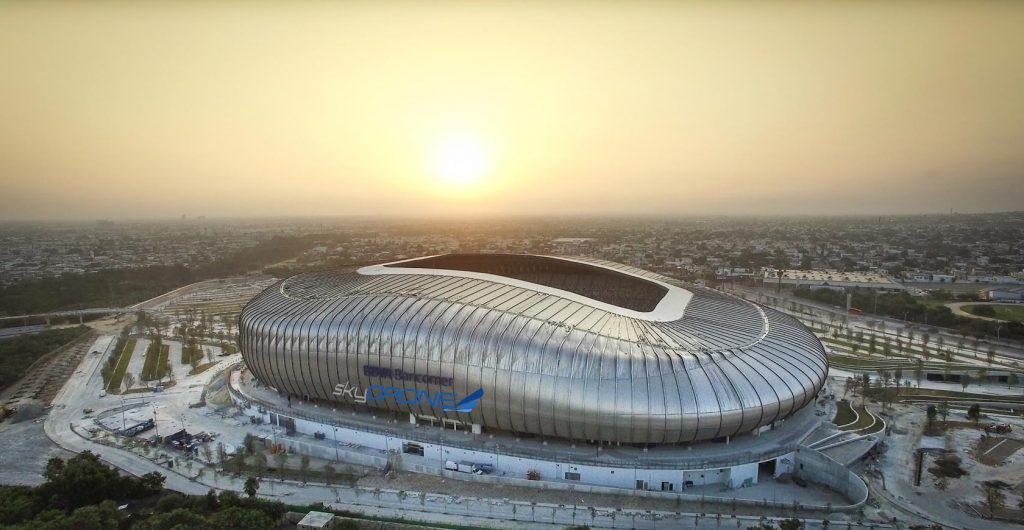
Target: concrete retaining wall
x=816, y=467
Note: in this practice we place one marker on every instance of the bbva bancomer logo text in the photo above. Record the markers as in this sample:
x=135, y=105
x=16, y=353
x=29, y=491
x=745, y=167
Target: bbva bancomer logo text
x=448, y=401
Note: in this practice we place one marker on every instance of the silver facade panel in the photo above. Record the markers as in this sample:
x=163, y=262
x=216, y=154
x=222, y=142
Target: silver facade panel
x=548, y=365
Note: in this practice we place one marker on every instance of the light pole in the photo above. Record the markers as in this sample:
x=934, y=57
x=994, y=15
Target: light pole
x=336, y=443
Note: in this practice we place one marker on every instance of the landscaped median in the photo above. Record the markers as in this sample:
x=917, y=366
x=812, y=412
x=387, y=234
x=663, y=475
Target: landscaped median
x=122, y=366
x=155, y=366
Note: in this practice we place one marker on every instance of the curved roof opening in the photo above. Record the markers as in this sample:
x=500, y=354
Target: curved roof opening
x=597, y=283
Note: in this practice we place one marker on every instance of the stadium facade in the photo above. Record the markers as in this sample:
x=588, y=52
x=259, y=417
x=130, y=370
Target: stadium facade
x=574, y=349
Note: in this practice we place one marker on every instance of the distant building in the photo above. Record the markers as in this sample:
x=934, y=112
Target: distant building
x=930, y=277
x=1010, y=294
x=734, y=273
x=573, y=246
x=829, y=279
x=991, y=278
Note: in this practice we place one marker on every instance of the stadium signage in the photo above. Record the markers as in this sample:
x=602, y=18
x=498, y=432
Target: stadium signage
x=448, y=401
x=394, y=373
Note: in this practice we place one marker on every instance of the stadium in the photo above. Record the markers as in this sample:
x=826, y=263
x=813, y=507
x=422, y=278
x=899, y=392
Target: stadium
x=564, y=348
x=537, y=357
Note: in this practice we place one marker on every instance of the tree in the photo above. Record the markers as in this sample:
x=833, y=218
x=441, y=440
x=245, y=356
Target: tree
x=304, y=467
x=84, y=480
x=95, y=517
x=260, y=459
x=129, y=380
x=995, y=499
x=281, y=459
x=175, y=519
x=919, y=372
x=932, y=413
x=238, y=460
x=990, y=354
x=974, y=413
x=944, y=410
x=965, y=380
x=329, y=472
x=237, y=518
x=252, y=485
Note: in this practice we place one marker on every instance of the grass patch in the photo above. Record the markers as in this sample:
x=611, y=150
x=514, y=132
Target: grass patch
x=17, y=354
x=1001, y=312
x=190, y=352
x=202, y=368
x=122, y=366
x=864, y=420
x=156, y=361
x=844, y=413
x=952, y=394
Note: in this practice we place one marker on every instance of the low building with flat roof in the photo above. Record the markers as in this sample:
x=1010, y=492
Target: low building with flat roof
x=833, y=279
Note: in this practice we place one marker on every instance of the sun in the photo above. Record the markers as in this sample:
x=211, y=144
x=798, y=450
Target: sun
x=461, y=159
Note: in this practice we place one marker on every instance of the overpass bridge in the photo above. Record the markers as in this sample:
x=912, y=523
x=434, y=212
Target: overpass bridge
x=80, y=313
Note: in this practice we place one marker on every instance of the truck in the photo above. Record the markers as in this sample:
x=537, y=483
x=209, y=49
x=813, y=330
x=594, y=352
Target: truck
x=468, y=467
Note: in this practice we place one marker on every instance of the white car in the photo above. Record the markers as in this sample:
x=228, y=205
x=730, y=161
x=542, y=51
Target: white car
x=103, y=393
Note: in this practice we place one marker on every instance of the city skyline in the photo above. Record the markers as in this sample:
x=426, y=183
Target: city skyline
x=158, y=111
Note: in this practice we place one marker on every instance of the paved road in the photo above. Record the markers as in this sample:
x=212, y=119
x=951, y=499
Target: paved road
x=71, y=313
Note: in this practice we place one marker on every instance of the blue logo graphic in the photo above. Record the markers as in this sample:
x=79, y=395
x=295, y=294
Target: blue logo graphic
x=467, y=403
x=410, y=396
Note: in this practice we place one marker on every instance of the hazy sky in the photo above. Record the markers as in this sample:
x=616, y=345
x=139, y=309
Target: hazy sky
x=137, y=109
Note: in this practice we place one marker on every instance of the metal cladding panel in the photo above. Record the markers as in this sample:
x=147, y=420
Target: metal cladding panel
x=548, y=364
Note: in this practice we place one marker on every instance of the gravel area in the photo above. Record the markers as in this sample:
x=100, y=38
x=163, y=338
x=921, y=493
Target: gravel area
x=26, y=449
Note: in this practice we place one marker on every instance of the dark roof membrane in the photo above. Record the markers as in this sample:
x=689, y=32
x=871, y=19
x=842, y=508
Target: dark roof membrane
x=597, y=283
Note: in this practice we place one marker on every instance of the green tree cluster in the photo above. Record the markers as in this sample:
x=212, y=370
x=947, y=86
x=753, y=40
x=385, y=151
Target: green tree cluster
x=82, y=493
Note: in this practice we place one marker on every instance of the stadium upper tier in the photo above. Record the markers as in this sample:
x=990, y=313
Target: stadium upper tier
x=571, y=348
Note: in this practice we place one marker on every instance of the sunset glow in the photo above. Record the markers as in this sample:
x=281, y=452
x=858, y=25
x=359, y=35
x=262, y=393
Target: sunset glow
x=461, y=160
